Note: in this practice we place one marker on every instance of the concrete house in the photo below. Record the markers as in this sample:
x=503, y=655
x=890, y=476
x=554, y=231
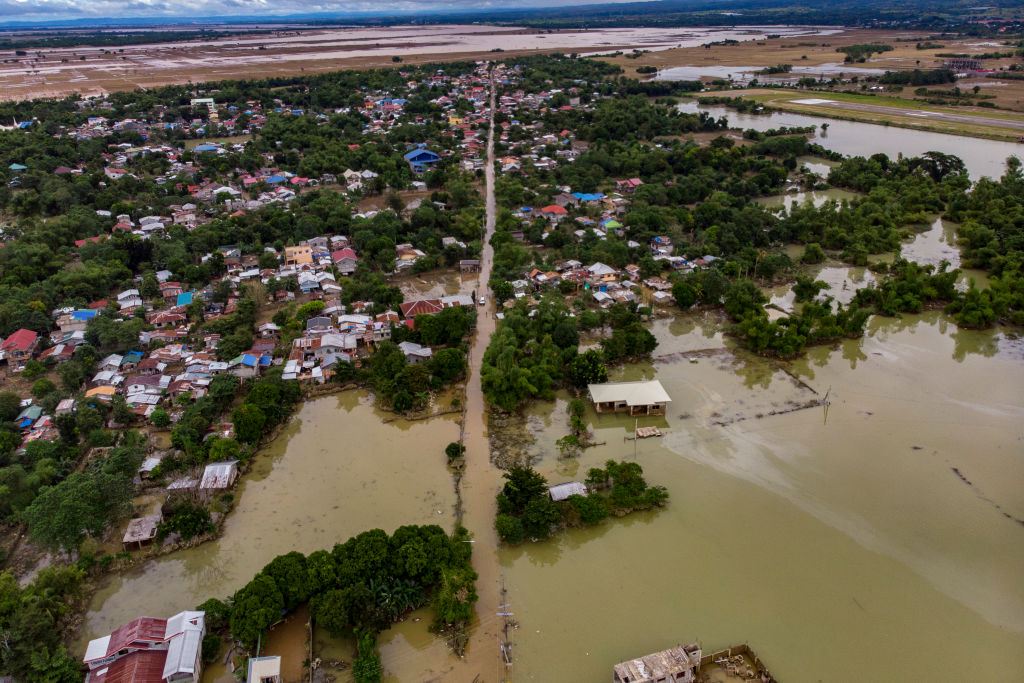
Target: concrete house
x=634, y=398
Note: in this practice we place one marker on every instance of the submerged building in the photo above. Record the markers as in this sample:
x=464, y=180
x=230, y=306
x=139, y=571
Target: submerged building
x=674, y=665
x=634, y=398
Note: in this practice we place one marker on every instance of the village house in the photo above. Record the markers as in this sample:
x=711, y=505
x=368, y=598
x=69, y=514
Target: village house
x=149, y=650
x=674, y=665
x=19, y=347
x=634, y=398
x=298, y=255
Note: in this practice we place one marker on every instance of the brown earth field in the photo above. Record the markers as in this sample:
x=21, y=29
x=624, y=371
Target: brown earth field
x=57, y=72
x=818, y=50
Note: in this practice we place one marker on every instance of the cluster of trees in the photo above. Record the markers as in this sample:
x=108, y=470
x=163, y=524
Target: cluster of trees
x=361, y=587
x=32, y=620
x=526, y=511
x=918, y=77
x=533, y=352
x=862, y=51
x=86, y=503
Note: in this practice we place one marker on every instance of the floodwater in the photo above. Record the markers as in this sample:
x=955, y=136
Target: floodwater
x=335, y=471
x=982, y=157
x=846, y=548
x=743, y=74
x=816, y=197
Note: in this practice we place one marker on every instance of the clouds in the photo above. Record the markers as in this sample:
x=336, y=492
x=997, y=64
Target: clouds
x=57, y=10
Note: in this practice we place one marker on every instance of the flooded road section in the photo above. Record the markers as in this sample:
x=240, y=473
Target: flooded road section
x=982, y=157
x=335, y=471
x=851, y=548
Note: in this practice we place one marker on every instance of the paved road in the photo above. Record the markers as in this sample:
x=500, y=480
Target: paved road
x=1017, y=124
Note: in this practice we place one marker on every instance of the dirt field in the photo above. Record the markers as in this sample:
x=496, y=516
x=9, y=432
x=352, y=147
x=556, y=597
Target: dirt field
x=61, y=71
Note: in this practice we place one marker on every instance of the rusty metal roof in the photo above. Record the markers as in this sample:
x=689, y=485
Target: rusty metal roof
x=147, y=629
x=145, y=666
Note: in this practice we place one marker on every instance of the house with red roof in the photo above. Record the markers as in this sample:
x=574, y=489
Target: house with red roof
x=19, y=347
x=554, y=212
x=149, y=650
x=345, y=260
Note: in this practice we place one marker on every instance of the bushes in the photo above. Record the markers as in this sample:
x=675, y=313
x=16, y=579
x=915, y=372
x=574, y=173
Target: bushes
x=184, y=517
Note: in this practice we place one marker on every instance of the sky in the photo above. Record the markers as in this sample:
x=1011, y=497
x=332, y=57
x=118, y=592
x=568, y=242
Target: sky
x=51, y=10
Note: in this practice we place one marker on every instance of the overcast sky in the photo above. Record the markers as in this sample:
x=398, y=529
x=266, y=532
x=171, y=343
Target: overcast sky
x=49, y=10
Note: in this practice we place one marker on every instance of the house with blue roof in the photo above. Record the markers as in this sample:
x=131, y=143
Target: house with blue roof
x=206, y=147
x=17, y=167
x=421, y=159
x=185, y=298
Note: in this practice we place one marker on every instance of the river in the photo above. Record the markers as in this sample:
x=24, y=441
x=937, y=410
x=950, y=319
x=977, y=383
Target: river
x=982, y=157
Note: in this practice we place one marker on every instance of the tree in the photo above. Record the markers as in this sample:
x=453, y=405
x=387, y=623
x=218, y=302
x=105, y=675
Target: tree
x=43, y=387
x=249, y=421
x=447, y=365
x=61, y=515
x=502, y=289
x=509, y=528
x=254, y=608
x=222, y=450
x=539, y=516
x=587, y=368
x=10, y=406
x=160, y=418
x=591, y=509
x=71, y=374
x=684, y=294
x=454, y=450
x=523, y=484
x=120, y=411
x=33, y=369
x=289, y=573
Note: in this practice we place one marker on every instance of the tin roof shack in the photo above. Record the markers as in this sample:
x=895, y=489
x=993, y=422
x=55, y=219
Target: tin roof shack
x=676, y=665
x=149, y=650
x=218, y=476
x=264, y=670
x=563, y=491
x=141, y=530
x=635, y=398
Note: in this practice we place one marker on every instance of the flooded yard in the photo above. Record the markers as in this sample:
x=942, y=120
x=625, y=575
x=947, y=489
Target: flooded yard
x=335, y=471
x=816, y=540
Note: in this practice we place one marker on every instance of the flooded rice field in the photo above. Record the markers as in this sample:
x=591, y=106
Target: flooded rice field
x=866, y=543
x=982, y=157
x=337, y=469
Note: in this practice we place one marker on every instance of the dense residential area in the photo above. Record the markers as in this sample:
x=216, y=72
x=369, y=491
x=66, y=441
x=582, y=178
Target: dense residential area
x=185, y=268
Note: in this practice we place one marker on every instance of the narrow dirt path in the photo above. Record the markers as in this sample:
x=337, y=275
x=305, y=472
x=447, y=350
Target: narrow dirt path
x=481, y=480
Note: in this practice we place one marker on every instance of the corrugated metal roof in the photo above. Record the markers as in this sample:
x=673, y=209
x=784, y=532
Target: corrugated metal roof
x=633, y=393
x=563, y=491
x=144, y=629
x=145, y=666
x=218, y=475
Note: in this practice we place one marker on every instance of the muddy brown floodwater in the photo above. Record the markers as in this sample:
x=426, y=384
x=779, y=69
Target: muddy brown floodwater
x=846, y=549
x=335, y=471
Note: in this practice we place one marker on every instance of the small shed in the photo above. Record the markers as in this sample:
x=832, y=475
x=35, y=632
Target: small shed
x=141, y=531
x=219, y=475
x=563, y=491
